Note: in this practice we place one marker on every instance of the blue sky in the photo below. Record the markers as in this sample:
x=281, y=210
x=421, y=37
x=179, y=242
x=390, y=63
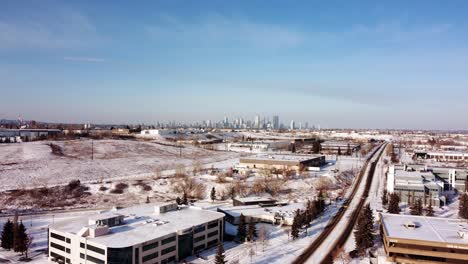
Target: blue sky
x=372, y=64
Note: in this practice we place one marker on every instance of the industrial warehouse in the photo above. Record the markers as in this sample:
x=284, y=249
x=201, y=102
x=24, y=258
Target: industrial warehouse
x=280, y=161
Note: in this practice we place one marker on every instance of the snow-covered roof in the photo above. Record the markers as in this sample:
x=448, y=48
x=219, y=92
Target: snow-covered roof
x=281, y=157
x=142, y=224
x=257, y=211
x=255, y=199
x=433, y=229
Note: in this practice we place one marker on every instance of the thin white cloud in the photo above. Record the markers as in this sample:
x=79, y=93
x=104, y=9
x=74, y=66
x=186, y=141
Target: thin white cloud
x=84, y=59
x=65, y=29
x=217, y=29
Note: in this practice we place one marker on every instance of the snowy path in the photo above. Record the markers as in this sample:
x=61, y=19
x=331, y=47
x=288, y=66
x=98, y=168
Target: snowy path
x=327, y=245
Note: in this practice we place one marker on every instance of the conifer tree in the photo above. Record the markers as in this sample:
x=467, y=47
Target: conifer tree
x=416, y=209
x=339, y=151
x=463, y=206
x=252, y=230
x=219, y=259
x=213, y=194
x=393, y=205
x=184, y=198
x=295, y=228
x=241, y=229
x=21, y=239
x=430, y=210
x=7, y=235
x=178, y=200
x=364, y=227
x=385, y=197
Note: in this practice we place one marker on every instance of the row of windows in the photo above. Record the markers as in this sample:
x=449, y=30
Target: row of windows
x=199, y=229
x=59, y=237
x=93, y=248
x=212, y=243
x=168, y=240
x=198, y=239
x=150, y=256
x=57, y=246
x=168, y=250
x=199, y=248
x=214, y=233
x=150, y=246
x=168, y=260
x=213, y=224
x=92, y=259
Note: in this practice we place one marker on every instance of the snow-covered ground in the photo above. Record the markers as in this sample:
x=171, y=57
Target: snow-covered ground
x=37, y=227
x=33, y=164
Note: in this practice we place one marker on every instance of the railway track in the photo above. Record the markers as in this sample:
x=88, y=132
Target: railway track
x=309, y=251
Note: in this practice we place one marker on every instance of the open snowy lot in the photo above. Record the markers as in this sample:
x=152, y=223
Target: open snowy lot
x=37, y=164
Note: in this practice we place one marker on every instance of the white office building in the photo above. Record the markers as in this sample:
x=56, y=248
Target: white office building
x=144, y=234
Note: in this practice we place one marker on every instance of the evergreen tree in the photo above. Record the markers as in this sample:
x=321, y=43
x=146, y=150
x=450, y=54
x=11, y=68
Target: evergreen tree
x=241, y=229
x=463, y=206
x=385, y=197
x=178, y=200
x=393, y=205
x=295, y=227
x=7, y=235
x=363, y=232
x=184, y=198
x=320, y=202
x=21, y=239
x=213, y=194
x=339, y=151
x=252, y=230
x=430, y=210
x=416, y=209
x=147, y=199
x=219, y=259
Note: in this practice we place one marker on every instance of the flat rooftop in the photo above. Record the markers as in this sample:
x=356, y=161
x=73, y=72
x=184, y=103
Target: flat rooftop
x=140, y=224
x=433, y=229
x=256, y=210
x=281, y=157
x=254, y=199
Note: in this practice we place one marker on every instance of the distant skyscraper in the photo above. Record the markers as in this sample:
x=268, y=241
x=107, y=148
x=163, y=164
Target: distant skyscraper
x=292, y=125
x=257, y=121
x=276, y=122
x=300, y=125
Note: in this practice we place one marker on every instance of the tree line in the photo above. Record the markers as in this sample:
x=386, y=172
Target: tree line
x=14, y=237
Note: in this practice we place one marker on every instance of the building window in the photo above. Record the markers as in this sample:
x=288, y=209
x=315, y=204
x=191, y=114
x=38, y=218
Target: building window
x=214, y=233
x=57, y=256
x=57, y=246
x=68, y=240
x=168, y=250
x=212, y=243
x=150, y=246
x=150, y=256
x=137, y=256
x=199, y=248
x=58, y=237
x=213, y=224
x=168, y=240
x=96, y=249
x=92, y=259
x=198, y=239
x=199, y=229
x=168, y=260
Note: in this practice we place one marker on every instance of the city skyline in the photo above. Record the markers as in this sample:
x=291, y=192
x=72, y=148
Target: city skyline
x=343, y=65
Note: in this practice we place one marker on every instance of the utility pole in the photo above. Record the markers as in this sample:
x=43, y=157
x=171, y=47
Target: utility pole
x=92, y=149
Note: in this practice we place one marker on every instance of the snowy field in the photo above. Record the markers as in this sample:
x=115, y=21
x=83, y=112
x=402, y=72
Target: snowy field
x=33, y=164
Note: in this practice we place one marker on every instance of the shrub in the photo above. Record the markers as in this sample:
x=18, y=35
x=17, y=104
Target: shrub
x=74, y=184
x=121, y=186
x=103, y=188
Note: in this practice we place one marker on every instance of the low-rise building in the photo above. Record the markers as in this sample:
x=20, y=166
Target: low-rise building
x=281, y=161
x=334, y=146
x=445, y=156
x=142, y=234
x=416, y=183
x=272, y=214
x=421, y=239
